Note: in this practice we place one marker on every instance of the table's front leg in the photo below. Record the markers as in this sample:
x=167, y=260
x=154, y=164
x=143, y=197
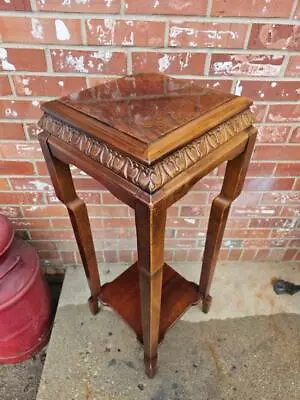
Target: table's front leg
x=64, y=188
x=150, y=227
x=232, y=186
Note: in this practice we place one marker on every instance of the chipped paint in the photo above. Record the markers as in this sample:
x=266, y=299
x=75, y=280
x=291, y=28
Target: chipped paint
x=238, y=89
x=185, y=62
x=77, y=63
x=156, y=4
x=9, y=112
x=62, y=32
x=245, y=65
x=40, y=185
x=37, y=29
x=61, y=83
x=35, y=103
x=164, y=62
x=6, y=65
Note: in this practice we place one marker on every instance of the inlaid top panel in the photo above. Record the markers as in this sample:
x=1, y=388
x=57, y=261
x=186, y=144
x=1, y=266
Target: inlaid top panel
x=146, y=106
x=146, y=116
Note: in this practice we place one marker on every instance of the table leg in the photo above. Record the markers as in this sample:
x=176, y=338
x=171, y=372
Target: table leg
x=150, y=227
x=232, y=186
x=64, y=188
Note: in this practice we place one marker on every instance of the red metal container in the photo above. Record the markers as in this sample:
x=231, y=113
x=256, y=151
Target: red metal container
x=25, y=304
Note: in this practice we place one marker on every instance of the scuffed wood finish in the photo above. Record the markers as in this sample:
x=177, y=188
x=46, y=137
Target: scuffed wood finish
x=64, y=188
x=148, y=157
x=235, y=173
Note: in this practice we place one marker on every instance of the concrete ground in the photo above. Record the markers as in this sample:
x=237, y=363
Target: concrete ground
x=247, y=347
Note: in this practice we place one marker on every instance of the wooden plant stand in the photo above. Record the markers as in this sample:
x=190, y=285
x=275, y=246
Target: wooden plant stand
x=148, y=139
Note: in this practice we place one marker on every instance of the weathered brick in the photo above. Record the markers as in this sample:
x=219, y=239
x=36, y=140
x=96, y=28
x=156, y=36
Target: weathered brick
x=275, y=36
x=5, y=88
x=16, y=168
x=280, y=198
x=279, y=153
x=295, y=137
x=271, y=223
x=207, y=34
x=255, y=211
x=284, y=113
x=293, y=67
x=19, y=109
x=40, y=30
x=24, y=223
x=273, y=134
x=26, y=150
x=4, y=184
x=41, y=211
x=36, y=184
x=15, y=5
x=288, y=169
x=22, y=59
x=265, y=90
x=102, y=61
x=258, y=8
x=259, y=111
x=11, y=131
x=172, y=63
x=10, y=211
x=125, y=33
x=265, y=184
x=290, y=211
x=47, y=85
x=21, y=198
x=246, y=64
x=89, y=6
x=178, y=7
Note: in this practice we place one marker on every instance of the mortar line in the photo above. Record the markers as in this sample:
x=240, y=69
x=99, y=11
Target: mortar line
x=293, y=9
x=147, y=17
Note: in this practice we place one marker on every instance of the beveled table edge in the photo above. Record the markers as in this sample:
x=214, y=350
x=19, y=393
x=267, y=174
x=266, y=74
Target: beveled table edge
x=148, y=178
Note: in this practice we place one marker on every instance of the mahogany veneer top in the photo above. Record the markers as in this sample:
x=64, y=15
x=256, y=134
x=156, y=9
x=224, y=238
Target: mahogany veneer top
x=147, y=115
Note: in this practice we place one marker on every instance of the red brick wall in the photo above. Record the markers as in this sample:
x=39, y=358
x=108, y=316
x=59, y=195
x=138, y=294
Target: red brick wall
x=53, y=47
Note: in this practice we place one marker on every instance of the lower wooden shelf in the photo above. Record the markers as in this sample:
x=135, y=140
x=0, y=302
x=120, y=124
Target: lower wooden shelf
x=123, y=295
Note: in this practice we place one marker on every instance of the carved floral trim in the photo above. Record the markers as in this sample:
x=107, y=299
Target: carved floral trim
x=147, y=178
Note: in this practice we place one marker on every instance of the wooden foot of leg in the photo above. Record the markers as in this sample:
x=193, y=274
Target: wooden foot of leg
x=150, y=366
x=206, y=303
x=94, y=305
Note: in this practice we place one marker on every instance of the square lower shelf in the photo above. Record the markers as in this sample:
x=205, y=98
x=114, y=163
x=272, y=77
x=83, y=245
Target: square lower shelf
x=123, y=295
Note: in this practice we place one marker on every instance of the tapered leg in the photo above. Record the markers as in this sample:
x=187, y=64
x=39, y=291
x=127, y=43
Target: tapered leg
x=232, y=186
x=150, y=227
x=64, y=188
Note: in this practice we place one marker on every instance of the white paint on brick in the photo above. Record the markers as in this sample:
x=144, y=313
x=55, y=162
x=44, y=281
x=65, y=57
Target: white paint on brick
x=273, y=84
x=62, y=32
x=108, y=3
x=77, y=63
x=9, y=112
x=238, y=89
x=104, y=56
x=190, y=220
x=61, y=83
x=184, y=63
x=156, y=3
x=6, y=65
x=35, y=103
x=128, y=41
x=37, y=29
x=40, y=185
x=164, y=62
x=27, y=91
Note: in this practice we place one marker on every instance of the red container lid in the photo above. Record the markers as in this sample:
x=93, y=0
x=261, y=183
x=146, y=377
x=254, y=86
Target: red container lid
x=6, y=234
x=18, y=267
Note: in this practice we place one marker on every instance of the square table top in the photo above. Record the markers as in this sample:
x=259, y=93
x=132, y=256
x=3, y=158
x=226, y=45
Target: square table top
x=146, y=116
